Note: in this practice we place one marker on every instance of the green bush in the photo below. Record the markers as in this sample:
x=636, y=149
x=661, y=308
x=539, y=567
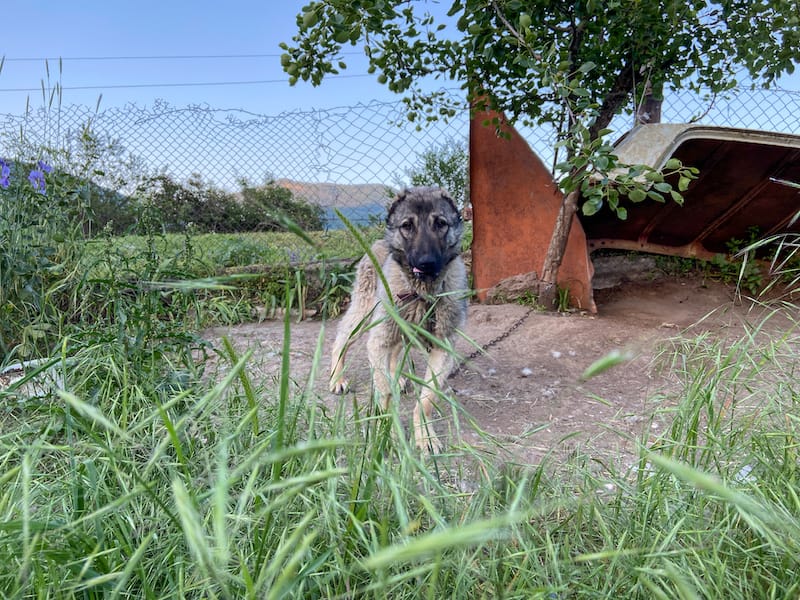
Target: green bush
x=265, y=206
x=206, y=208
x=40, y=222
x=447, y=166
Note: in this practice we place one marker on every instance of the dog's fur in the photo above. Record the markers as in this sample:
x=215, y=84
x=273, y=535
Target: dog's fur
x=420, y=257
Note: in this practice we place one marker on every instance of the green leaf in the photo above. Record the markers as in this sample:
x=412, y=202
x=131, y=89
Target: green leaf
x=610, y=360
x=310, y=19
x=653, y=176
x=586, y=67
x=673, y=163
x=601, y=163
x=592, y=206
x=683, y=183
x=637, y=195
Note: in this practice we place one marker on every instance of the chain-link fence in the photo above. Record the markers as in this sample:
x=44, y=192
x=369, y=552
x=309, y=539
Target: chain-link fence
x=349, y=158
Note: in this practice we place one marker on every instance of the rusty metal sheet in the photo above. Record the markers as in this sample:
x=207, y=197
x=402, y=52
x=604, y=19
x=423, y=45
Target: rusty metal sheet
x=738, y=189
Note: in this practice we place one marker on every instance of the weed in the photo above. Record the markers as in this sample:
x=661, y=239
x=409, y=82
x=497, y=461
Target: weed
x=562, y=301
x=529, y=299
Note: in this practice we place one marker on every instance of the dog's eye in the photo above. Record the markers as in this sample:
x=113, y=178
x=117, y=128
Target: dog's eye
x=440, y=224
x=407, y=226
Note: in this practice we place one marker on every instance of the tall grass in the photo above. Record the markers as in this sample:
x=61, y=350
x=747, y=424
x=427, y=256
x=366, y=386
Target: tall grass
x=142, y=471
x=142, y=478
x=150, y=485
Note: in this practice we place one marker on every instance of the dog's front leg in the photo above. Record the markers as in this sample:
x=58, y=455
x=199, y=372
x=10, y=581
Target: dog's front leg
x=440, y=363
x=380, y=355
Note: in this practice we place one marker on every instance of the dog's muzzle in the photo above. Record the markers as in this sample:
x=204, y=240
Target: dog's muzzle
x=426, y=269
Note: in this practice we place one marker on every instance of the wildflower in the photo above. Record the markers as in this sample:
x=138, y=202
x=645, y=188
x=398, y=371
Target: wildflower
x=5, y=171
x=36, y=176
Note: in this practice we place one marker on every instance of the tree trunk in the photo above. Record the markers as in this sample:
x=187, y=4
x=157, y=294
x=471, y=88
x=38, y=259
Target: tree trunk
x=557, y=247
x=558, y=241
x=649, y=111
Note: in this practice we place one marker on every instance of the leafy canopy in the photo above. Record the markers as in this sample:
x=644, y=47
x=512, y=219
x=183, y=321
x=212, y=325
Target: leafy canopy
x=528, y=55
x=573, y=64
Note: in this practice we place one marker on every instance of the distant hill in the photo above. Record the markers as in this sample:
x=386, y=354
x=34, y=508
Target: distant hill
x=358, y=215
x=339, y=195
x=360, y=203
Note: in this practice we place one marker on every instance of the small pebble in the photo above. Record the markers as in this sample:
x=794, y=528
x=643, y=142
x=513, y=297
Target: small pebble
x=526, y=372
x=555, y=353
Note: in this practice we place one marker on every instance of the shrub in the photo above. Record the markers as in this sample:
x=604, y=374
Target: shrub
x=39, y=222
x=445, y=165
x=254, y=208
x=265, y=205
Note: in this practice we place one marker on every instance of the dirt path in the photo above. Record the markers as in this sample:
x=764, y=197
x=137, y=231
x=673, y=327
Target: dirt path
x=526, y=392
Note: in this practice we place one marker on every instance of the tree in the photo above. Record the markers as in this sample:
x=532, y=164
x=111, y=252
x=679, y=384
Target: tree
x=267, y=204
x=445, y=165
x=573, y=64
x=209, y=209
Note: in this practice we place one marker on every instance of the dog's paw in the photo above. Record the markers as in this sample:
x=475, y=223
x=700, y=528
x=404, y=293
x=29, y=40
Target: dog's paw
x=403, y=384
x=430, y=443
x=340, y=386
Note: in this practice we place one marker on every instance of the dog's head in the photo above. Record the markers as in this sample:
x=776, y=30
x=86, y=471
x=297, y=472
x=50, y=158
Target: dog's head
x=423, y=230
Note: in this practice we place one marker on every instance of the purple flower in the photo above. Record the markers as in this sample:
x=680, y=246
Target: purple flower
x=36, y=176
x=5, y=171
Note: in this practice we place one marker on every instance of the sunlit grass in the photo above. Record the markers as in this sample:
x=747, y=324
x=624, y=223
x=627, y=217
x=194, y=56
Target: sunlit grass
x=149, y=470
x=158, y=482
x=214, y=252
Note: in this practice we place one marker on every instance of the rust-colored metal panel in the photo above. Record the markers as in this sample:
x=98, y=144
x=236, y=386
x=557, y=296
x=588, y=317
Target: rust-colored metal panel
x=734, y=194
x=515, y=203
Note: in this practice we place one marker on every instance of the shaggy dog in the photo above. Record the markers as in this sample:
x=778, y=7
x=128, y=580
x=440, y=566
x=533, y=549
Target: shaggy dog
x=420, y=258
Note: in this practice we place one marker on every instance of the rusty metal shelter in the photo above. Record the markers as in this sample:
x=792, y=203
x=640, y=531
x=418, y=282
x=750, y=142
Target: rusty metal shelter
x=515, y=201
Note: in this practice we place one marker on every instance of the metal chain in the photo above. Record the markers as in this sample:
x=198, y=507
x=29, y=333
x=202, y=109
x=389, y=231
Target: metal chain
x=491, y=343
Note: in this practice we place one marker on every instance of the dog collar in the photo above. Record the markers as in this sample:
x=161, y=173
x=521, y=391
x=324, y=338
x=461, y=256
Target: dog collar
x=404, y=297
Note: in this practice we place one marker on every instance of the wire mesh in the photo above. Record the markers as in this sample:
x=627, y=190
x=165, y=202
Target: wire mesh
x=351, y=158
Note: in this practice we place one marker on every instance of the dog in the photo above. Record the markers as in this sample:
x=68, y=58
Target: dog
x=426, y=285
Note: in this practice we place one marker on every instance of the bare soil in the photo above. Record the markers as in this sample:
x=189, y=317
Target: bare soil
x=526, y=391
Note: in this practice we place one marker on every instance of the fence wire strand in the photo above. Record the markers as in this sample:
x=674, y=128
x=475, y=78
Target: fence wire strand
x=343, y=157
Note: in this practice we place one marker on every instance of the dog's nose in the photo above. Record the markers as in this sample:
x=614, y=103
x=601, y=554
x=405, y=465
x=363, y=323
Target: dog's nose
x=426, y=266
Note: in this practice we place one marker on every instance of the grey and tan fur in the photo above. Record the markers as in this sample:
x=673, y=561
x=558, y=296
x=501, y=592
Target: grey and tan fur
x=420, y=257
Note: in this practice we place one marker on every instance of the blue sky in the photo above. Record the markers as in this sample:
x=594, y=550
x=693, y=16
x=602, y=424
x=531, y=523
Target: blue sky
x=102, y=31
x=109, y=29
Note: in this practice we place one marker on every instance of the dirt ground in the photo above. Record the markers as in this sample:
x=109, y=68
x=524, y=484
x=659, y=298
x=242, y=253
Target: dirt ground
x=526, y=391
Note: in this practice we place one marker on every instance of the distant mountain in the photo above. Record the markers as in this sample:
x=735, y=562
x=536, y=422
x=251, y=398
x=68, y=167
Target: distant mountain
x=366, y=214
x=359, y=203
x=329, y=195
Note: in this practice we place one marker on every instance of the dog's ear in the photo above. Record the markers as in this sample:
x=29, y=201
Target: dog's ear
x=446, y=196
x=401, y=195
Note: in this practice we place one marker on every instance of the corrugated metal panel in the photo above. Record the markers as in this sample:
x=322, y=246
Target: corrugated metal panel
x=734, y=192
